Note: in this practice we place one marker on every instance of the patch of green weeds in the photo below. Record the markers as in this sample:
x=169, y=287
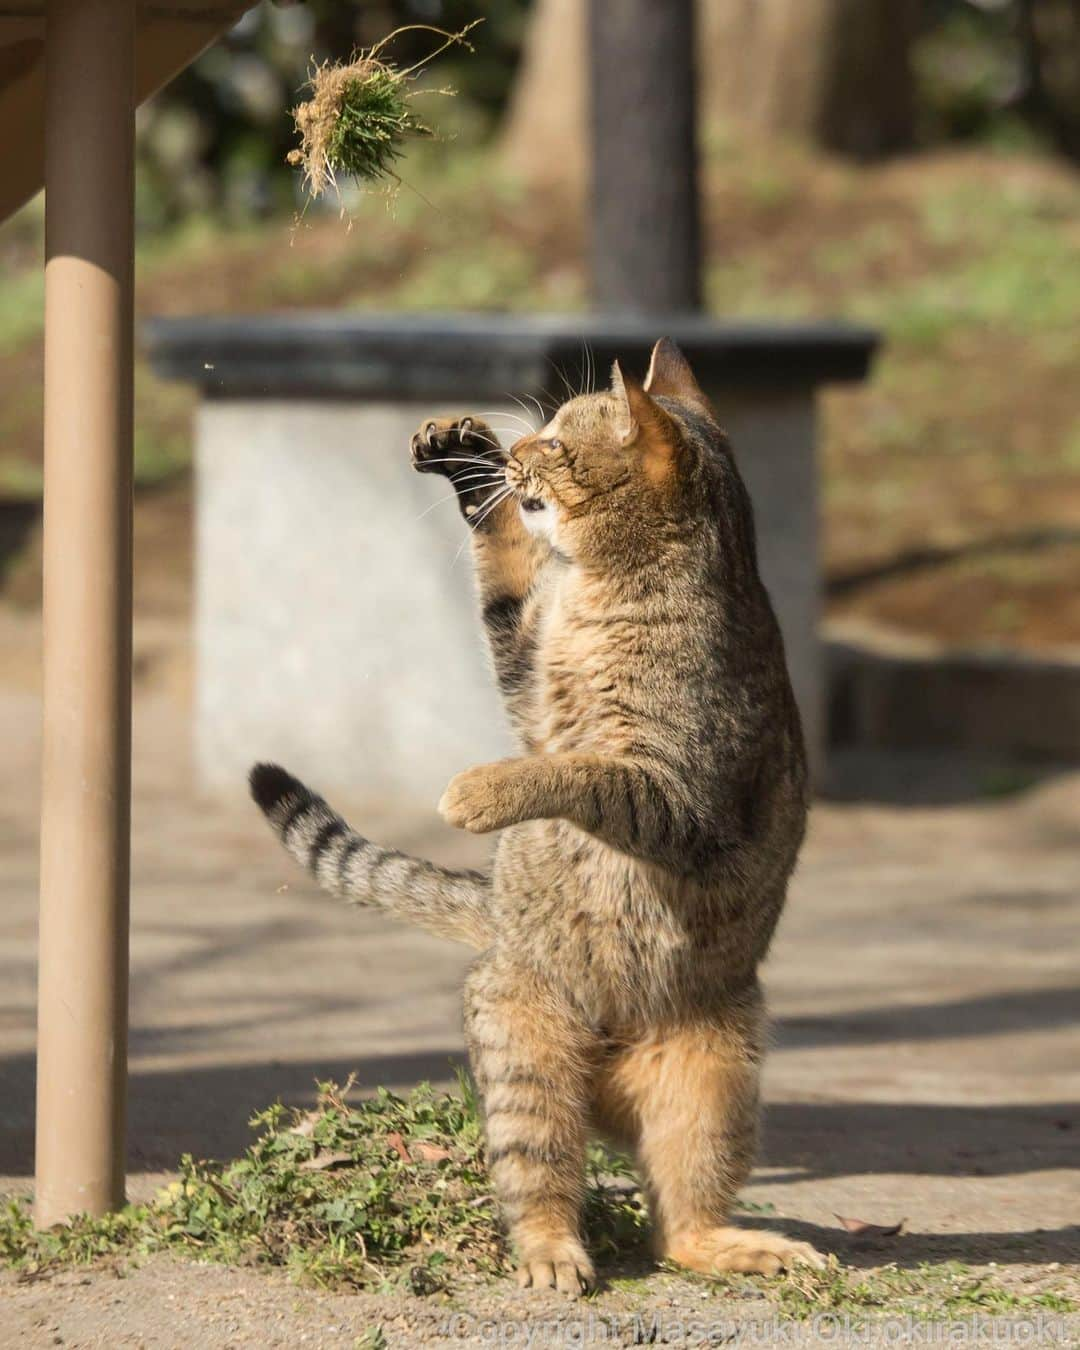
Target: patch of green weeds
x=756, y=1207
x=500, y=275
x=393, y=1193
x=929, y=1293
x=744, y=289
x=387, y=1191
x=372, y=1339
x=1014, y=267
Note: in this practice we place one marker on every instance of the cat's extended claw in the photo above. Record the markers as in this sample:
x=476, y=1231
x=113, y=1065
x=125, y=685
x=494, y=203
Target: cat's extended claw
x=450, y=446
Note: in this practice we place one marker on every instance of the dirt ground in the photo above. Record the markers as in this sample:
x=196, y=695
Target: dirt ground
x=924, y=985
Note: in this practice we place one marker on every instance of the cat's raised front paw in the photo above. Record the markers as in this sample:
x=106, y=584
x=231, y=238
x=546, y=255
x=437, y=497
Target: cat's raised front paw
x=454, y=445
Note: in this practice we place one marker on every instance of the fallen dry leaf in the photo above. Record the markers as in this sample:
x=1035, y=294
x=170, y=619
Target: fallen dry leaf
x=860, y=1228
x=324, y=1161
x=398, y=1145
x=431, y=1152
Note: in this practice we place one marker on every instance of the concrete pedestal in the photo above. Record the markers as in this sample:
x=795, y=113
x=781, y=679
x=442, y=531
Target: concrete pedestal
x=336, y=627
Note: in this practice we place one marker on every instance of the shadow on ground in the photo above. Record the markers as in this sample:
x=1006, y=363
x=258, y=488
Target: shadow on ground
x=1040, y=1246
x=205, y=1111
x=921, y=778
x=989, y=1015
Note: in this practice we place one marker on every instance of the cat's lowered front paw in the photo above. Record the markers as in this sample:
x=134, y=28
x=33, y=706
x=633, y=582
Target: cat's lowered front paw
x=573, y=1274
x=487, y=797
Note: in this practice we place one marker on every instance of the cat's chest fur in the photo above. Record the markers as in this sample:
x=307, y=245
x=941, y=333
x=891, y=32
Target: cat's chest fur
x=625, y=934
x=594, y=670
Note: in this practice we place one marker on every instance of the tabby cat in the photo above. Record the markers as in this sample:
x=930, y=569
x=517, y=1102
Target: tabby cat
x=649, y=824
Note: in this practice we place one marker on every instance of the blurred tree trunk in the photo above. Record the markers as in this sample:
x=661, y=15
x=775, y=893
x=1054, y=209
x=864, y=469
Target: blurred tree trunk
x=866, y=103
x=544, y=138
x=836, y=73
x=1049, y=35
x=833, y=72
x=645, y=235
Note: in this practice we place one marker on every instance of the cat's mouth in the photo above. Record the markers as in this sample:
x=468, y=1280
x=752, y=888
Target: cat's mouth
x=532, y=504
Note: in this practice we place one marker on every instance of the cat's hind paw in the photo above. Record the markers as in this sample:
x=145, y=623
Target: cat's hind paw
x=747, y=1251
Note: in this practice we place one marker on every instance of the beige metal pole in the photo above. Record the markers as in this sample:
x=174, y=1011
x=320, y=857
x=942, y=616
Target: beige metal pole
x=82, y=990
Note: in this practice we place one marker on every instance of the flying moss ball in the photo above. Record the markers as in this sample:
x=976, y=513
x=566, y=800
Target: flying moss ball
x=355, y=124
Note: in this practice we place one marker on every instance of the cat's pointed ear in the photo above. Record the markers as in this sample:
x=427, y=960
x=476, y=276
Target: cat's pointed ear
x=670, y=376
x=646, y=423
x=642, y=413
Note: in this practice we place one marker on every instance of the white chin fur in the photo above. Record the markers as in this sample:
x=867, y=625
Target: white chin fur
x=539, y=522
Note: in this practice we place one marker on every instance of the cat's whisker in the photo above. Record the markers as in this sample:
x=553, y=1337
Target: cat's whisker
x=466, y=459
x=478, y=478
x=513, y=418
x=562, y=376
x=492, y=471
x=489, y=506
x=546, y=408
x=584, y=369
x=508, y=428
x=479, y=516
x=499, y=412
x=484, y=480
x=451, y=497
x=526, y=410
x=513, y=433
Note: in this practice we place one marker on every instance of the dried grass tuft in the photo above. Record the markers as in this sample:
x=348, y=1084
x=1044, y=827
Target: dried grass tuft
x=359, y=117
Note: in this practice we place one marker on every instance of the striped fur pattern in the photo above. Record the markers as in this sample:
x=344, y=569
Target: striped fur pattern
x=648, y=826
x=450, y=904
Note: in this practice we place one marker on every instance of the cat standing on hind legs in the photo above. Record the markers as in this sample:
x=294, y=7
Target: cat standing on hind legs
x=649, y=824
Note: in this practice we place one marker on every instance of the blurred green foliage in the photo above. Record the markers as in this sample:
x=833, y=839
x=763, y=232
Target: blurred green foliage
x=1002, y=71
x=215, y=141
x=1006, y=71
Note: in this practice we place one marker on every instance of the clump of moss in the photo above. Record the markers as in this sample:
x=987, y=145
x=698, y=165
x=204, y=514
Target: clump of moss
x=359, y=118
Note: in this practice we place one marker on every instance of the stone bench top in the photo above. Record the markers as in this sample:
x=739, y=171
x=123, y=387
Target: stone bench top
x=490, y=356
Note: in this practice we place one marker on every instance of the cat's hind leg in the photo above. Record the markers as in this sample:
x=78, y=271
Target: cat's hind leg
x=530, y=1056
x=692, y=1093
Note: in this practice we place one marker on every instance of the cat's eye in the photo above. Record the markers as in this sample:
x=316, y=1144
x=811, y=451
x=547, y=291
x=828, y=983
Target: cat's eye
x=555, y=445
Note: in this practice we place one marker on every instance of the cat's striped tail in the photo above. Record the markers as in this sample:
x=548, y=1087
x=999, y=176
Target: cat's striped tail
x=450, y=904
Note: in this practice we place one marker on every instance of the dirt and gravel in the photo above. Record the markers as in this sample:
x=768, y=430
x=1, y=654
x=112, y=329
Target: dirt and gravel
x=924, y=984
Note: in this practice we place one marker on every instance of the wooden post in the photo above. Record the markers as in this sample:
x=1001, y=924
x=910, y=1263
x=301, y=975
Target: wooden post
x=82, y=989
x=645, y=230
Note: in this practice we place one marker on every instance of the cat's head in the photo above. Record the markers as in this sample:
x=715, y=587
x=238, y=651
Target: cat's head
x=613, y=467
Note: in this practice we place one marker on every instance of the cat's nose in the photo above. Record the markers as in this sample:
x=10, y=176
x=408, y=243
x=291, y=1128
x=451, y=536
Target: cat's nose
x=524, y=445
